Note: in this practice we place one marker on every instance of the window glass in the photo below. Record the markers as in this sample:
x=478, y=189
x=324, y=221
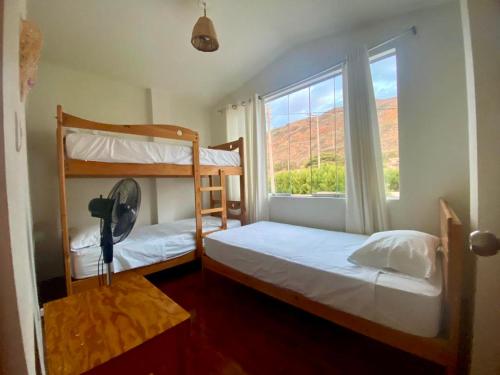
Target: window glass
x=304, y=143
x=385, y=85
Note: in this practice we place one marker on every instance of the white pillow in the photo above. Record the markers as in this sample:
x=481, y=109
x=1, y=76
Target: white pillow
x=85, y=237
x=406, y=251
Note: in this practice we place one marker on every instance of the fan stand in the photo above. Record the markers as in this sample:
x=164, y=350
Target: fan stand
x=112, y=211
x=109, y=274
x=107, y=249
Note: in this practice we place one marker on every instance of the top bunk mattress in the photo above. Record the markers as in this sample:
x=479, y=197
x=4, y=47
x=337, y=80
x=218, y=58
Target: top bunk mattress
x=314, y=263
x=108, y=149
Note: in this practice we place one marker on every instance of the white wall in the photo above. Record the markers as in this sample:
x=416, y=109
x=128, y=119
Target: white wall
x=171, y=109
x=218, y=126
x=19, y=316
x=89, y=96
x=482, y=51
x=432, y=116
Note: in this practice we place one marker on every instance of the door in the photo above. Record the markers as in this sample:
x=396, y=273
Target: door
x=20, y=323
x=481, y=28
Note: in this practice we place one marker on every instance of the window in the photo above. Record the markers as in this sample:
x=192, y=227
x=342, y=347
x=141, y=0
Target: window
x=305, y=130
x=305, y=133
x=385, y=84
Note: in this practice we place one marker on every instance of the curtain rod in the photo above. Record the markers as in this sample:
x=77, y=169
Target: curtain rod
x=411, y=30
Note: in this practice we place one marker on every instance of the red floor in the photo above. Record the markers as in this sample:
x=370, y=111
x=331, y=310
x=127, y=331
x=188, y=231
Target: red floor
x=236, y=330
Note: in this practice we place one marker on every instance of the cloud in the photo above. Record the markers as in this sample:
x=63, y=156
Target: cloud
x=328, y=94
x=384, y=76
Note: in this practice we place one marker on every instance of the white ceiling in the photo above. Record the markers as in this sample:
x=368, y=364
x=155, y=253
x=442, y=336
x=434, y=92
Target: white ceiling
x=147, y=42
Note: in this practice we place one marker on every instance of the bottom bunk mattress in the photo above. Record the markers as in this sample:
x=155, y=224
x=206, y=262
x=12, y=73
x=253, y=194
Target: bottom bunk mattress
x=145, y=245
x=314, y=263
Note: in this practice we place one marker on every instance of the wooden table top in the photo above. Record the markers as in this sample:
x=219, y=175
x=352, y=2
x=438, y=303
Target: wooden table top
x=89, y=328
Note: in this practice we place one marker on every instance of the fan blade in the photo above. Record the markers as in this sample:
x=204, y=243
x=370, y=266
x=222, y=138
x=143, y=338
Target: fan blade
x=127, y=196
x=125, y=221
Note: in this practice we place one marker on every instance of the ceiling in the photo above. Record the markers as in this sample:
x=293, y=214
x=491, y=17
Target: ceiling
x=147, y=42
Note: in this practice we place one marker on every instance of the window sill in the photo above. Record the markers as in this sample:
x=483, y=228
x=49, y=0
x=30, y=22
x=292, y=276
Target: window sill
x=322, y=196
x=393, y=198
x=309, y=196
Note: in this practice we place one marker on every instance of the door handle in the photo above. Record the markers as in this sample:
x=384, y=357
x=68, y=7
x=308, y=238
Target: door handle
x=484, y=243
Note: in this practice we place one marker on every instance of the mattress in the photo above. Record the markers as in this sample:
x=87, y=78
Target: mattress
x=145, y=245
x=314, y=263
x=108, y=149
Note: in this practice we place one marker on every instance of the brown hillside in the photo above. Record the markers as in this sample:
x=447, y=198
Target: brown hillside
x=300, y=138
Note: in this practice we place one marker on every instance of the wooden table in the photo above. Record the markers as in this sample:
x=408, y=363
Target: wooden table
x=130, y=327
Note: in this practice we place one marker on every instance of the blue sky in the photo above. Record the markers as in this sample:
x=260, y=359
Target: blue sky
x=326, y=95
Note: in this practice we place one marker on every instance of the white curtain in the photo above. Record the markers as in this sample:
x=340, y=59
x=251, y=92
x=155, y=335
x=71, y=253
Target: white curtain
x=255, y=163
x=235, y=128
x=248, y=121
x=366, y=210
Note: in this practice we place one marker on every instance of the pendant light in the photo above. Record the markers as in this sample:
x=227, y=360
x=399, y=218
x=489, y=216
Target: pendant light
x=204, y=38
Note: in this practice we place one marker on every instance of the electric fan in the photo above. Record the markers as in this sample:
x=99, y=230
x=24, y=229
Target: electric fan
x=118, y=214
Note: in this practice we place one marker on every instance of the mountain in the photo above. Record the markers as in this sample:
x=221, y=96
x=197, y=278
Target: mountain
x=322, y=138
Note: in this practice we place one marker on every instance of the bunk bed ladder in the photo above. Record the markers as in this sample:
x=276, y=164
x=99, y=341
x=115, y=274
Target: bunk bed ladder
x=216, y=211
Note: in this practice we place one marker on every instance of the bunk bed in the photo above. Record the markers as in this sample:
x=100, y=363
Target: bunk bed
x=308, y=268
x=95, y=150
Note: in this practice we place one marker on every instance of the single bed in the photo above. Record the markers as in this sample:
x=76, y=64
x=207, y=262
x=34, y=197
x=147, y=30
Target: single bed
x=112, y=149
x=144, y=246
x=308, y=268
x=314, y=263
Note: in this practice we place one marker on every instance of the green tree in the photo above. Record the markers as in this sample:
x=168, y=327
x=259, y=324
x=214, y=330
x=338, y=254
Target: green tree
x=391, y=177
x=327, y=178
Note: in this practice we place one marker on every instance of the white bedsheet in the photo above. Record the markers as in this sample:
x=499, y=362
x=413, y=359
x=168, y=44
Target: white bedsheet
x=103, y=148
x=314, y=263
x=145, y=245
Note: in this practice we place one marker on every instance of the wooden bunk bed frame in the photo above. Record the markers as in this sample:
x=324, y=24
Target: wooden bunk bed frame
x=71, y=168
x=443, y=349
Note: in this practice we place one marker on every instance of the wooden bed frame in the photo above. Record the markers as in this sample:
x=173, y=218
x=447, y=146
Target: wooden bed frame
x=71, y=168
x=443, y=349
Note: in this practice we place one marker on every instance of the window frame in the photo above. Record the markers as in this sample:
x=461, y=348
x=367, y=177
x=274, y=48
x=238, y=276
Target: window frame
x=377, y=55
x=374, y=55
